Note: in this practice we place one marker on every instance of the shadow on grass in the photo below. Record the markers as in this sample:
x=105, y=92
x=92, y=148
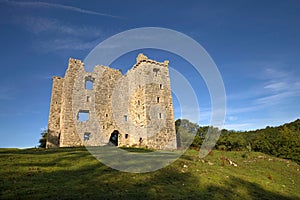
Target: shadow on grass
x=253, y=191
x=84, y=177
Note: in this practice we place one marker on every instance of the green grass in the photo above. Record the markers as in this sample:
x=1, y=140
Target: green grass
x=72, y=173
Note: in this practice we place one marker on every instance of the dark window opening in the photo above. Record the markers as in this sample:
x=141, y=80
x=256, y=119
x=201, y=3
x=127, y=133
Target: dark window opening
x=155, y=70
x=126, y=136
x=88, y=99
x=141, y=140
x=106, y=115
x=58, y=139
x=157, y=99
x=83, y=115
x=160, y=86
x=125, y=118
x=114, y=138
x=139, y=117
x=159, y=115
x=139, y=103
x=86, y=136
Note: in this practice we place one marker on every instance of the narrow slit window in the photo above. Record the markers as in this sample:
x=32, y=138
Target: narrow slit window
x=106, y=115
x=126, y=136
x=83, y=115
x=160, y=86
x=138, y=116
x=88, y=99
x=159, y=115
x=157, y=99
x=125, y=118
x=138, y=102
x=86, y=136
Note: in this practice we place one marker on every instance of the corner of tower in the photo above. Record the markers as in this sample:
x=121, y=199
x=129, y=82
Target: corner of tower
x=141, y=57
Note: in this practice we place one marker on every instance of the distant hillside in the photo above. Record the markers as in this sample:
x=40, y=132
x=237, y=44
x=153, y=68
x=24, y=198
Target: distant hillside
x=282, y=141
x=73, y=173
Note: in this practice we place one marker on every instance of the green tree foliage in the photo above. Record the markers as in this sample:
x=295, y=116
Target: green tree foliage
x=186, y=131
x=232, y=140
x=43, y=140
x=282, y=141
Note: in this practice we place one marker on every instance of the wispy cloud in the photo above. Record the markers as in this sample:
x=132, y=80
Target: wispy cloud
x=67, y=44
x=39, y=25
x=239, y=126
x=60, y=36
x=59, y=6
x=276, y=86
x=279, y=85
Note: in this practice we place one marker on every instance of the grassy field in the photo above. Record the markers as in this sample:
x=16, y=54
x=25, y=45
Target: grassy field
x=72, y=173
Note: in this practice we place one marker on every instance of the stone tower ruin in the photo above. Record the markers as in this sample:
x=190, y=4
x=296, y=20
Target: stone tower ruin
x=105, y=107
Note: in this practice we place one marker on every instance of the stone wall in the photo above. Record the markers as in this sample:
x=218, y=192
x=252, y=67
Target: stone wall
x=137, y=106
x=69, y=136
x=54, y=114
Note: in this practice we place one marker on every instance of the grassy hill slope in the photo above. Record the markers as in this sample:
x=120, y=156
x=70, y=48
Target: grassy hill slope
x=73, y=173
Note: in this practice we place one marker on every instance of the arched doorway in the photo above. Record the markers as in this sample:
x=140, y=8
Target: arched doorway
x=114, y=137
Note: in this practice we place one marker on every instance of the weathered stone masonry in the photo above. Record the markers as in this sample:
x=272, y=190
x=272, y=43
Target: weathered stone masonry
x=134, y=109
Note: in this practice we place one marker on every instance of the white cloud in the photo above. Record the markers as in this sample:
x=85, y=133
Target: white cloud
x=276, y=86
x=66, y=44
x=238, y=126
x=279, y=86
x=275, y=98
x=59, y=6
x=232, y=118
x=60, y=36
x=38, y=25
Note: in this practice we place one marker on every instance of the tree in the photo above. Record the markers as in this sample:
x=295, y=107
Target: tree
x=185, y=131
x=43, y=140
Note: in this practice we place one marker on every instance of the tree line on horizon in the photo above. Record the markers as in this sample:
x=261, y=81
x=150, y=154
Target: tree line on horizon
x=281, y=141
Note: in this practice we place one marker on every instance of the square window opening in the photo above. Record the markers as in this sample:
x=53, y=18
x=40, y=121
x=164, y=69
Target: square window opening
x=89, y=83
x=86, y=136
x=83, y=115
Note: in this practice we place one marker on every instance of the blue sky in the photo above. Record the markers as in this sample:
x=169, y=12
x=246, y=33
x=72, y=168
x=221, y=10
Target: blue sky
x=255, y=45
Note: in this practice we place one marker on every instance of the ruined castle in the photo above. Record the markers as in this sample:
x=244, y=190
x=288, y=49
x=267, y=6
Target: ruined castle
x=105, y=107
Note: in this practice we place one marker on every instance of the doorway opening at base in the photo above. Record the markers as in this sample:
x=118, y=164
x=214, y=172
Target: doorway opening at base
x=114, y=137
